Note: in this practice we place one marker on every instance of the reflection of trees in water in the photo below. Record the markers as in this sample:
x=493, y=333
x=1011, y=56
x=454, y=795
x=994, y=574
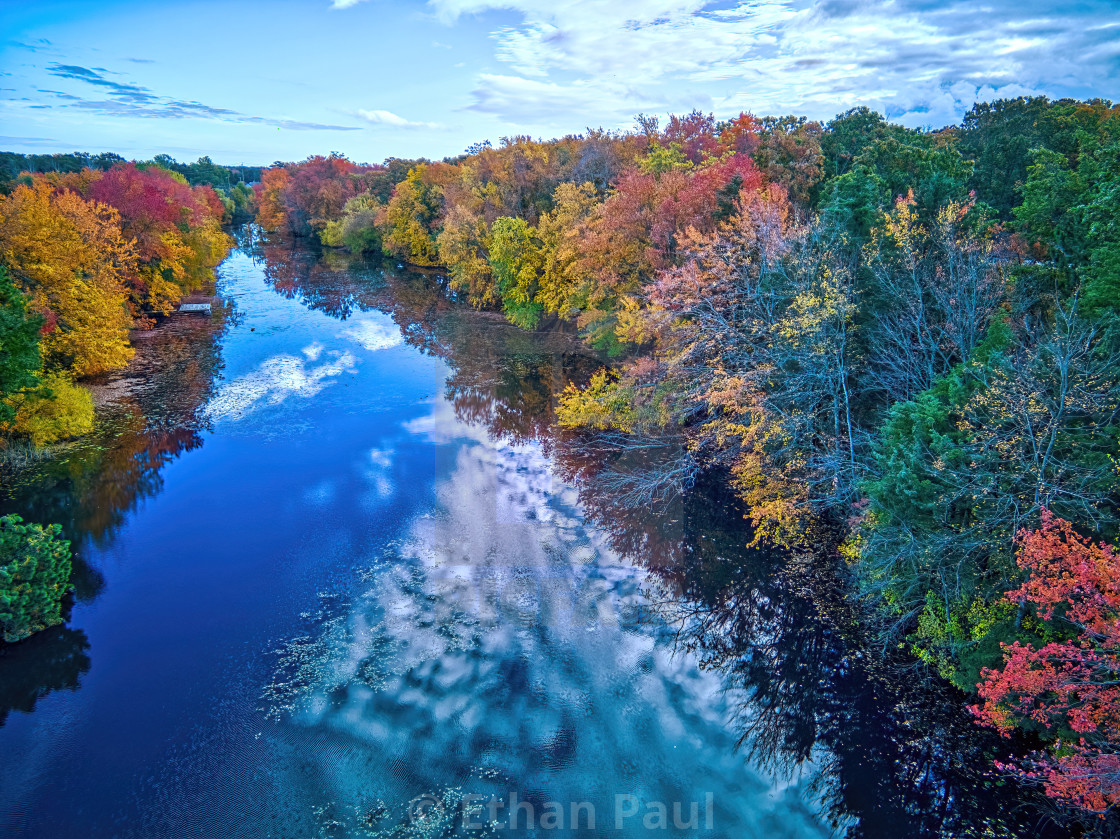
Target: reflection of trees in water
x=152, y=414
x=54, y=659
x=502, y=378
x=891, y=751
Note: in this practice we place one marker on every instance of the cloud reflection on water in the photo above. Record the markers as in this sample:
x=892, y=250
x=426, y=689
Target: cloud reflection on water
x=274, y=381
x=504, y=646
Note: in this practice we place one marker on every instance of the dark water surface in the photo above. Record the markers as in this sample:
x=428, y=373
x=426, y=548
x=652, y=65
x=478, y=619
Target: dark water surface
x=334, y=559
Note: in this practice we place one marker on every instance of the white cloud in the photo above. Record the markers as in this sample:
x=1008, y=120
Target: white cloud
x=378, y=117
x=523, y=99
x=381, y=458
x=373, y=335
x=273, y=382
x=377, y=475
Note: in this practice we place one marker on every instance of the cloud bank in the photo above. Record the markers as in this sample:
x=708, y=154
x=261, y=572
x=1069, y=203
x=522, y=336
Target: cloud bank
x=920, y=61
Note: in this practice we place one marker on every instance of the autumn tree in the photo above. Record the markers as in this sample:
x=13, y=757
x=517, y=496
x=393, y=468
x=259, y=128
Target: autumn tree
x=515, y=254
x=70, y=257
x=317, y=191
x=463, y=245
x=1030, y=423
x=562, y=287
x=869, y=163
x=175, y=230
x=788, y=152
x=270, y=198
x=934, y=289
x=1068, y=688
x=750, y=356
x=357, y=230
x=412, y=216
x=637, y=230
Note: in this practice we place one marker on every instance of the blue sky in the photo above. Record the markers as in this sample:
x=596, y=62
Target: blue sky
x=256, y=81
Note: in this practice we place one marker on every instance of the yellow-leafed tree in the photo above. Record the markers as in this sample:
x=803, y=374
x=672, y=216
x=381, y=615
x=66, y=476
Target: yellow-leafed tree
x=69, y=257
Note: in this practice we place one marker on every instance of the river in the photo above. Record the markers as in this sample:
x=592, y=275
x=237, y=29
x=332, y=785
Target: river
x=338, y=574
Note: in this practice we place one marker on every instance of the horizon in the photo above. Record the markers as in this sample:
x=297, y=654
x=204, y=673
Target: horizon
x=445, y=74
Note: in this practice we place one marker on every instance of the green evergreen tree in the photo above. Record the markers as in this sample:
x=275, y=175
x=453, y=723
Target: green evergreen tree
x=34, y=575
x=19, y=345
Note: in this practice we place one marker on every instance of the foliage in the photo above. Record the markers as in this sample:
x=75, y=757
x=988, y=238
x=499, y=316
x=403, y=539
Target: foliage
x=57, y=410
x=933, y=289
x=1068, y=688
x=463, y=245
x=70, y=257
x=205, y=171
x=1002, y=136
x=87, y=255
x=516, y=259
x=411, y=216
x=1030, y=423
x=175, y=231
x=900, y=339
x=561, y=288
x=357, y=230
x=788, y=153
x=269, y=197
x=601, y=405
x=13, y=165
x=19, y=345
x=1069, y=215
x=34, y=576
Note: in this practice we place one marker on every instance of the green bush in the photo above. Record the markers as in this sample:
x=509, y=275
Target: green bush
x=34, y=575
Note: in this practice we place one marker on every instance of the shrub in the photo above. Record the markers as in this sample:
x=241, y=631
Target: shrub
x=58, y=411
x=34, y=575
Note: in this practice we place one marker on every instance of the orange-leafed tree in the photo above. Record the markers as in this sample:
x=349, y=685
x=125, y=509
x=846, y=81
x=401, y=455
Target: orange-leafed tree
x=1067, y=689
x=270, y=198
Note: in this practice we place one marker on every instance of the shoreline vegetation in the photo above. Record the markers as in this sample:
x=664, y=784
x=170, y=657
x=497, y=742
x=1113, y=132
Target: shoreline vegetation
x=900, y=347
x=92, y=250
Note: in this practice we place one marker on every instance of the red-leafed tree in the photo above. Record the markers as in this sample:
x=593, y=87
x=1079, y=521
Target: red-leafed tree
x=175, y=227
x=151, y=202
x=318, y=191
x=695, y=134
x=1068, y=689
x=636, y=231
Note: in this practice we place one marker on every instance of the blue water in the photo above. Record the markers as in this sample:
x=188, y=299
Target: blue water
x=360, y=582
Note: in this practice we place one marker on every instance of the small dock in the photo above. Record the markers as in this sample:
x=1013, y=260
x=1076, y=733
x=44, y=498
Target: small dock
x=196, y=305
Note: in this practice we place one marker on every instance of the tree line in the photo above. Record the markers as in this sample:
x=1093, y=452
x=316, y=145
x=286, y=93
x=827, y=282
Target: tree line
x=897, y=344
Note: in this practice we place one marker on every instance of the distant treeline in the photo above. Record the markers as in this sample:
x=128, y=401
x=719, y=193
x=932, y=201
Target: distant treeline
x=899, y=344
x=202, y=171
